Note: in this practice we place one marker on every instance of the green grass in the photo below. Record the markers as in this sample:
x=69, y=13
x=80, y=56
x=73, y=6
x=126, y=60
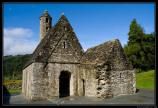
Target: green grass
x=9, y=82
x=145, y=80
x=14, y=91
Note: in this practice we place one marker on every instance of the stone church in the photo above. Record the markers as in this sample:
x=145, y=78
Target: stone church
x=59, y=66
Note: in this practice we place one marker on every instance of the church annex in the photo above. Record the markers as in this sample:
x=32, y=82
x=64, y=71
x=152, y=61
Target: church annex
x=59, y=66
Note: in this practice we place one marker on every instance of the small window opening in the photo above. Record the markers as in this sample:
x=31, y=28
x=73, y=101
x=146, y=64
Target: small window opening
x=64, y=44
x=47, y=28
x=120, y=75
x=46, y=19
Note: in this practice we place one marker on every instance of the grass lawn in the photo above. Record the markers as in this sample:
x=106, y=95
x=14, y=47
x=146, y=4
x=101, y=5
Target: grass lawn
x=14, y=82
x=145, y=80
x=14, y=91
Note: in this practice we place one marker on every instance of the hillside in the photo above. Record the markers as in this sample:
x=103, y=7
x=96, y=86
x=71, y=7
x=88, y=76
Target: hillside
x=12, y=66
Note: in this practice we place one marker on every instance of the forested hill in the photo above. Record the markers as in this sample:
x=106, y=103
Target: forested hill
x=12, y=66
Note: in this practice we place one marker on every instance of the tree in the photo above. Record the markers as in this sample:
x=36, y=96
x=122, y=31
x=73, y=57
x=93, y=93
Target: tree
x=140, y=48
x=136, y=33
x=148, y=46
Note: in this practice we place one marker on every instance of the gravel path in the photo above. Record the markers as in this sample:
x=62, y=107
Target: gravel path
x=141, y=97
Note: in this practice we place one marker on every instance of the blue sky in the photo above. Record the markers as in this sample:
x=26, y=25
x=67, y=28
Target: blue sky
x=92, y=23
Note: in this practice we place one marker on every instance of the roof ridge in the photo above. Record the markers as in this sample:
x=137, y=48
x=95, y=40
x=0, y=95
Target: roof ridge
x=109, y=41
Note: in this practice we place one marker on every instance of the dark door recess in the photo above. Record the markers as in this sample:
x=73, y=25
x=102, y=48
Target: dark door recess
x=64, y=84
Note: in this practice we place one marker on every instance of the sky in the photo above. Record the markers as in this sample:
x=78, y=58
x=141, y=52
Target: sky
x=93, y=23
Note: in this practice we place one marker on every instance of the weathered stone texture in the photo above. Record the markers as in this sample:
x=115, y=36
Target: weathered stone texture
x=54, y=72
x=87, y=73
x=26, y=82
x=45, y=24
x=102, y=71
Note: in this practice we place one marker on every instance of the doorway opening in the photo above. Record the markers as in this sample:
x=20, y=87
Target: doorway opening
x=64, y=84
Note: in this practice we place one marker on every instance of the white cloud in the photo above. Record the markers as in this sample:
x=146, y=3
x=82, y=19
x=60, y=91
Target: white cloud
x=18, y=32
x=18, y=41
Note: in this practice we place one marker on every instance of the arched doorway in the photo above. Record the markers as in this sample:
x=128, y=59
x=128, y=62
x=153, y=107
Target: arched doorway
x=64, y=84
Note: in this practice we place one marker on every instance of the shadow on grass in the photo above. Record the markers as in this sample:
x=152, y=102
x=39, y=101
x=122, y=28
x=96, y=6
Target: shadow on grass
x=6, y=96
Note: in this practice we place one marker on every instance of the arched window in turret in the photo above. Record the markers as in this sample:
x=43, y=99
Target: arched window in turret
x=46, y=19
x=47, y=28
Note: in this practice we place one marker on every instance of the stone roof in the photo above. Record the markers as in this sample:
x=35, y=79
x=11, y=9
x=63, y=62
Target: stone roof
x=98, y=54
x=47, y=45
x=109, y=52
